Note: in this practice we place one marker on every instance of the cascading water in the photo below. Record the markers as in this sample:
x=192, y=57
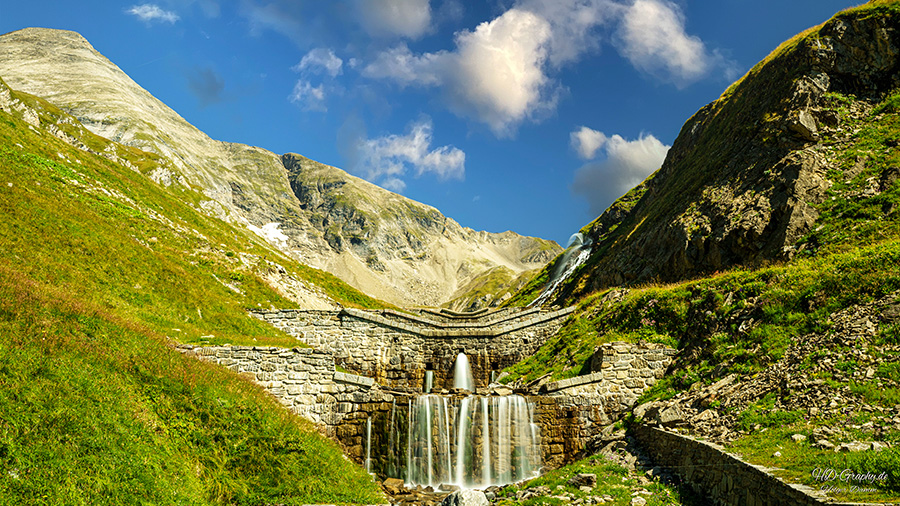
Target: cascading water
x=472, y=441
x=369, y=444
x=462, y=373
x=577, y=253
x=429, y=381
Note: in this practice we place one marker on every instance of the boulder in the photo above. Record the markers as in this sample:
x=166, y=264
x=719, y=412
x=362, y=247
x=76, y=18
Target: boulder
x=671, y=415
x=804, y=125
x=855, y=446
x=583, y=480
x=466, y=498
x=394, y=486
x=824, y=444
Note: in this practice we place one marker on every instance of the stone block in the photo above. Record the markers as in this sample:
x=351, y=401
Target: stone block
x=634, y=383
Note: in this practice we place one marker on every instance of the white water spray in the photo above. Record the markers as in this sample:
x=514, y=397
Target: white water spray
x=449, y=449
x=462, y=374
x=577, y=253
x=369, y=444
x=429, y=381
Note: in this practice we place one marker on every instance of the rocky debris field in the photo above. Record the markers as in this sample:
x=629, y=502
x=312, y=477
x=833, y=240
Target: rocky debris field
x=821, y=377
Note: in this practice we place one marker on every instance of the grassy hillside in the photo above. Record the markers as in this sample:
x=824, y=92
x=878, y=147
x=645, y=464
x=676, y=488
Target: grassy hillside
x=850, y=256
x=748, y=322
x=101, y=270
x=741, y=184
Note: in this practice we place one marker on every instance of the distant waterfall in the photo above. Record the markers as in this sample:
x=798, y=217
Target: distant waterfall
x=577, y=253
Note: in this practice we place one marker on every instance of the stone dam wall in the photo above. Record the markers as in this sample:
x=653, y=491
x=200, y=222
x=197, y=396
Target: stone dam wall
x=396, y=348
x=569, y=412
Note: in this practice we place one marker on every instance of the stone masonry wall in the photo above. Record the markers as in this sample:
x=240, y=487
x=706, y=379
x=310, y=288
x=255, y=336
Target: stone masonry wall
x=397, y=348
x=304, y=380
x=569, y=412
x=572, y=411
x=724, y=478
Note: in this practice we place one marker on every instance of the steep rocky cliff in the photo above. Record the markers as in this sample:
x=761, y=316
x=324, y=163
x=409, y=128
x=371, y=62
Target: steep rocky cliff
x=388, y=246
x=746, y=179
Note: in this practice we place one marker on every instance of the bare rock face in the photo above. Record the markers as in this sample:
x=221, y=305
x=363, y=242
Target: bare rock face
x=741, y=183
x=384, y=244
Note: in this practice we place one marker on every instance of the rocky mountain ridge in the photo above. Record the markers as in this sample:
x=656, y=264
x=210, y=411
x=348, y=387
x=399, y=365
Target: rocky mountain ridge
x=745, y=180
x=384, y=244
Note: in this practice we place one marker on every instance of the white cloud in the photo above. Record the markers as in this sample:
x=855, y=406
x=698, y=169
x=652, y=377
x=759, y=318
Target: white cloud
x=625, y=165
x=573, y=24
x=309, y=97
x=586, y=141
x=152, y=12
x=385, y=160
x=402, y=66
x=320, y=60
x=499, y=79
x=654, y=40
x=281, y=17
x=495, y=75
x=316, y=62
x=403, y=18
x=502, y=73
x=393, y=184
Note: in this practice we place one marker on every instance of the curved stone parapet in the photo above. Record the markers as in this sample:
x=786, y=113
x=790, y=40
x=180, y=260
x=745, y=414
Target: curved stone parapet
x=481, y=328
x=396, y=348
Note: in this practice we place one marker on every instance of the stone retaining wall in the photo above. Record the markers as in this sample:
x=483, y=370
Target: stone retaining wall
x=574, y=410
x=304, y=380
x=397, y=348
x=724, y=478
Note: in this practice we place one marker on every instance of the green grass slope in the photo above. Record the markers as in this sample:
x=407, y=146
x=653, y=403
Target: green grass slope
x=744, y=319
x=847, y=257
x=101, y=271
x=739, y=184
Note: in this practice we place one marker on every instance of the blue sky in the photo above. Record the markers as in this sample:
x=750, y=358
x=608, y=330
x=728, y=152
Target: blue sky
x=523, y=115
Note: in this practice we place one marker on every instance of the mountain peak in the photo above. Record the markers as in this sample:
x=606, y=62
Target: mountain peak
x=37, y=37
x=380, y=242
x=746, y=181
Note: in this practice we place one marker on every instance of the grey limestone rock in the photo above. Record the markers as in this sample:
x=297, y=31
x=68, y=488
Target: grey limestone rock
x=465, y=498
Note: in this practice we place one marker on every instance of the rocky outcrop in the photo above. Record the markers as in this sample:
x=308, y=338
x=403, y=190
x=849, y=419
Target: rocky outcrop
x=386, y=245
x=813, y=378
x=742, y=182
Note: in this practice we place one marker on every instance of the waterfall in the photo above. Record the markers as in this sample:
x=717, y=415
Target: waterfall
x=579, y=247
x=462, y=373
x=429, y=381
x=463, y=420
x=445, y=446
x=369, y=444
x=392, y=441
x=485, y=444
